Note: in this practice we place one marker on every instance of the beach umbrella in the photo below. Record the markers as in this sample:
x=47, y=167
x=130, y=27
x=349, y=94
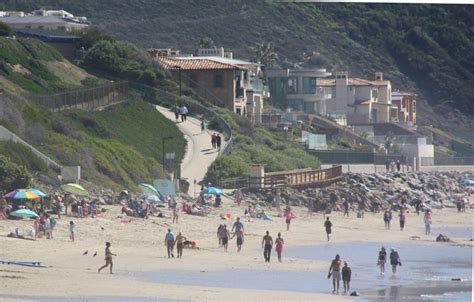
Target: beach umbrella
x=21, y=194
x=24, y=213
x=212, y=190
x=37, y=192
x=149, y=189
x=74, y=189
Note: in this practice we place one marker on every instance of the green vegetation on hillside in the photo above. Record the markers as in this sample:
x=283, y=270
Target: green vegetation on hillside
x=420, y=47
x=22, y=155
x=256, y=145
x=12, y=176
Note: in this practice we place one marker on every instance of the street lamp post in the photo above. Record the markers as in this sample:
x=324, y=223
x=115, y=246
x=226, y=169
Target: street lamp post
x=163, y=148
x=179, y=76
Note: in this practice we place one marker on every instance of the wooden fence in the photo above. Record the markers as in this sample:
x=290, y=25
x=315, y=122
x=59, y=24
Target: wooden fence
x=303, y=178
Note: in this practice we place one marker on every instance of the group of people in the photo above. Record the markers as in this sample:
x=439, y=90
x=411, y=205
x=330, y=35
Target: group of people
x=180, y=111
x=394, y=260
x=387, y=217
x=216, y=141
x=392, y=165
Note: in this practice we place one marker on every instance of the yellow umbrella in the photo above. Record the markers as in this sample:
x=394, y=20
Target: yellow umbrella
x=74, y=189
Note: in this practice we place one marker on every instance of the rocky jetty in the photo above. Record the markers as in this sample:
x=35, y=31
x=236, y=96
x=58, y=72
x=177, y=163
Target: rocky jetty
x=375, y=191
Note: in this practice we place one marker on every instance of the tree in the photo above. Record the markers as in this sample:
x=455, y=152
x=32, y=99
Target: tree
x=5, y=30
x=12, y=176
x=265, y=55
x=92, y=36
x=206, y=43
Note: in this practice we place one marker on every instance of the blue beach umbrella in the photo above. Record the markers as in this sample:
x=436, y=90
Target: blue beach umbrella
x=24, y=213
x=212, y=190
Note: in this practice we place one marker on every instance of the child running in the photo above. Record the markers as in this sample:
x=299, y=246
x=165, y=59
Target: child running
x=71, y=230
x=108, y=258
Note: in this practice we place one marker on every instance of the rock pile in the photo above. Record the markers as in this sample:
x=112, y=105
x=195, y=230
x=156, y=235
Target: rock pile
x=375, y=191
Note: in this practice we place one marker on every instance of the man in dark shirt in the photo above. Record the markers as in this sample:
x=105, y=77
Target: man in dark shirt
x=328, y=226
x=267, y=243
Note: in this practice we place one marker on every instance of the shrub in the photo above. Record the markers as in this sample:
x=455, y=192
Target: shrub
x=227, y=166
x=12, y=176
x=5, y=30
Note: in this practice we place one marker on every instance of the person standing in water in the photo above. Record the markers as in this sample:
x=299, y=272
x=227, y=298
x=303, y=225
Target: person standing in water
x=108, y=258
x=279, y=242
x=328, y=226
x=179, y=241
x=395, y=260
x=267, y=244
x=335, y=271
x=346, y=277
x=382, y=259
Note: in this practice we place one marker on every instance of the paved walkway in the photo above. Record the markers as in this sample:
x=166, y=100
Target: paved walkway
x=199, y=153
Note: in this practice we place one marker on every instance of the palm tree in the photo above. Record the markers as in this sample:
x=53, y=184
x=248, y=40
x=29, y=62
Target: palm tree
x=206, y=43
x=265, y=55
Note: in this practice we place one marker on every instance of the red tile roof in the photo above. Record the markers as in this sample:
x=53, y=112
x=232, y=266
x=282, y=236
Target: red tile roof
x=352, y=82
x=193, y=64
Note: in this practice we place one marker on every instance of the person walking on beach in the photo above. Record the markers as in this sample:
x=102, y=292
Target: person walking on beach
x=328, y=226
x=179, y=244
x=184, y=112
x=71, y=230
x=238, y=225
x=345, y=204
x=381, y=260
x=335, y=272
x=238, y=196
x=224, y=234
x=175, y=213
x=279, y=242
x=398, y=165
x=427, y=220
x=402, y=219
x=346, y=277
x=169, y=243
x=240, y=238
x=176, y=112
x=108, y=258
x=219, y=233
x=267, y=244
x=387, y=216
x=395, y=260
x=289, y=216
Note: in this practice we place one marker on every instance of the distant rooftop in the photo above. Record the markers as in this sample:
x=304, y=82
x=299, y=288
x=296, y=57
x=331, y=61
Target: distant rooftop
x=193, y=63
x=352, y=82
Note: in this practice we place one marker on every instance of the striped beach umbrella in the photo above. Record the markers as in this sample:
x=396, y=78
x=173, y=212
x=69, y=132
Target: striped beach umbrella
x=21, y=194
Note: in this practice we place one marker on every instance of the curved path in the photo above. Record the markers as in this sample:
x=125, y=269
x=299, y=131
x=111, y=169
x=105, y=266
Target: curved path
x=199, y=153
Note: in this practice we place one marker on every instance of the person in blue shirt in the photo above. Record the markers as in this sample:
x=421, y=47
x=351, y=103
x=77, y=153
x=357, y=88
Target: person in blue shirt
x=238, y=225
x=169, y=243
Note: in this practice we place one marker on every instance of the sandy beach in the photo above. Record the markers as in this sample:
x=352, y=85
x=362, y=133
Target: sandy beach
x=139, y=245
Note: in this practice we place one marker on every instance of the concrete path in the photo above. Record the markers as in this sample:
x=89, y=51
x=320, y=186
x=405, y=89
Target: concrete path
x=199, y=153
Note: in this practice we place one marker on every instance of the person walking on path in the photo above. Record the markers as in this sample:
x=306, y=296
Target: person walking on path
x=184, y=112
x=395, y=260
x=169, y=243
x=387, y=216
x=279, y=242
x=289, y=216
x=108, y=258
x=382, y=259
x=328, y=226
x=224, y=234
x=176, y=112
x=218, y=141
x=427, y=220
x=345, y=204
x=179, y=244
x=213, y=141
x=71, y=231
x=335, y=272
x=203, y=125
x=346, y=277
x=402, y=219
x=267, y=244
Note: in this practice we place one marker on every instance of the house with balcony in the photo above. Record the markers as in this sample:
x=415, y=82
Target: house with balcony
x=216, y=76
x=406, y=104
x=57, y=20
x=298, y=89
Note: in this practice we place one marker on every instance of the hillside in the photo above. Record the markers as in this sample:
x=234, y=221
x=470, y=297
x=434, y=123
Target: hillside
x=427, y=49
x=117, y=147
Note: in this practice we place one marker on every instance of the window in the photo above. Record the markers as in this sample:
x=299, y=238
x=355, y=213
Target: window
x=309, y=85
x=292, y=85
x=218, y=80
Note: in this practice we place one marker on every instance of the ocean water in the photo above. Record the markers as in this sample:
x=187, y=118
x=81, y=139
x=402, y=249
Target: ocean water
x=86, y=299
